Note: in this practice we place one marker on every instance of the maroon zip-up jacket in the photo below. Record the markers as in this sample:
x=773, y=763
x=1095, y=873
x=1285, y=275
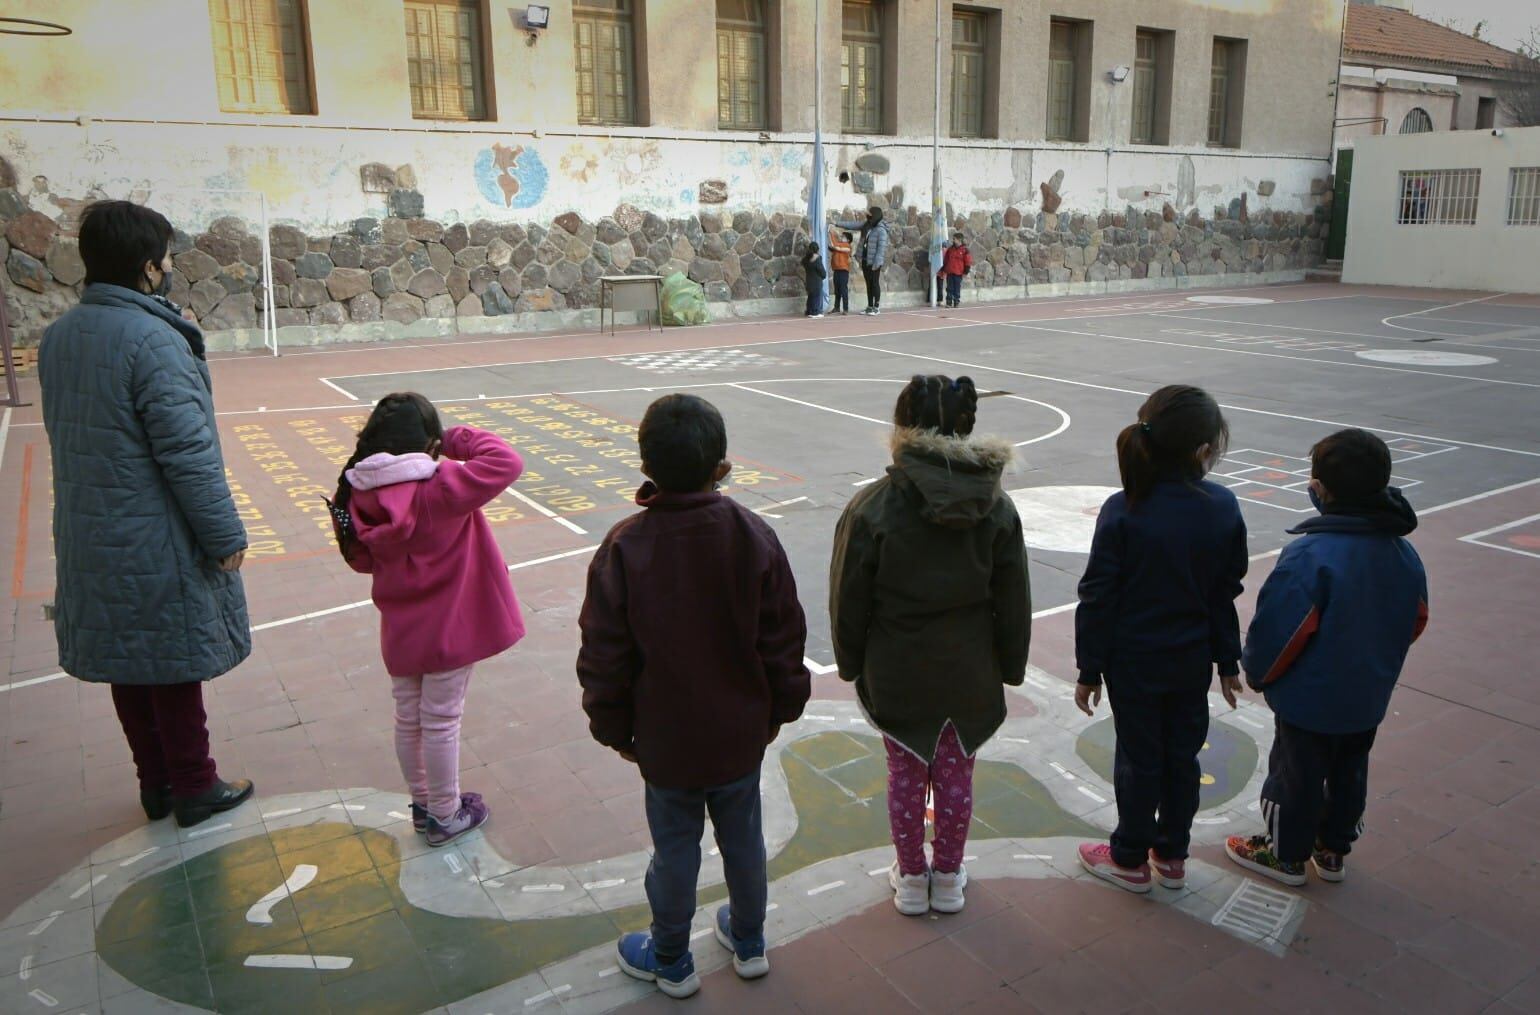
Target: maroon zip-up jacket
x=693, y=639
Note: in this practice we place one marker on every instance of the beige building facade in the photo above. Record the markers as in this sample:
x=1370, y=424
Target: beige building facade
x=1168, y=117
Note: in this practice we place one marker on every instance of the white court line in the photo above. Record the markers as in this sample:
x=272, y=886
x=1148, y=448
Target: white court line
x=551, y=994
x=542, y=509
x=5, y=433
x=285, y=812
x=811, y=405
x=1278, y=355
x=298, y=961
x=261, y=912
x=1144, y=394
x=826, y=888
x=339, y=389
x=1480, y=496
x=1475, y=537
x=200, y=833
x=77, y=893
x=1342, y=334
x=1448, y=306
x=138, y=856
x=819, y=668
x=45, y=923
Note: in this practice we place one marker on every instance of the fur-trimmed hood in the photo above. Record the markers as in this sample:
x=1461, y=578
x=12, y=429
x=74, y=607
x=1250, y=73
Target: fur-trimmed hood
x=957, y=479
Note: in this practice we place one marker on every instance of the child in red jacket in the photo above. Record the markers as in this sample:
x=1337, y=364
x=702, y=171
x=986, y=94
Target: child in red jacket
x=956, y=261
x=408, y=512
x=691, y=661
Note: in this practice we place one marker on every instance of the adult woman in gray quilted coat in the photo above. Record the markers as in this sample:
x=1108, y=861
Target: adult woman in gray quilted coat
x=872, y=252
x=146, y=534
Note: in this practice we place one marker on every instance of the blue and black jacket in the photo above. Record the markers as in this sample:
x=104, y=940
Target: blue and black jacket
x=1337, y=616
x=1158, y=597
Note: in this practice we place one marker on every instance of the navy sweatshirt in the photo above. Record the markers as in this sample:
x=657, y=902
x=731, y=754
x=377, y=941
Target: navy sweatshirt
x=1336, y=617
x=1158, y=595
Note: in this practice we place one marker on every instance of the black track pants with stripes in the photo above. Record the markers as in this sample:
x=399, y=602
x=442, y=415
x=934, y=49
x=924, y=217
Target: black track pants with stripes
x=1316, y=790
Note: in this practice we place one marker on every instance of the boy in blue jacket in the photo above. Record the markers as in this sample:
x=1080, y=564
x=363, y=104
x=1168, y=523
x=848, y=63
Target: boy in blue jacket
x=1333, y=625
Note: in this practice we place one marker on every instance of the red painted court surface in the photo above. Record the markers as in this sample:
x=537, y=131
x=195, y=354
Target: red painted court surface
x=1439, y=910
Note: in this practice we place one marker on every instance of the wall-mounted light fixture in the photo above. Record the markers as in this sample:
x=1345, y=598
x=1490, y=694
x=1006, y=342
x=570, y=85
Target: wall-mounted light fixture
x=537, y=18
x=1118, y=74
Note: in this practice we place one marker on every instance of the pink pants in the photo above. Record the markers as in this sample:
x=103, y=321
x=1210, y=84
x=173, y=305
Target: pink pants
x=428, y=710
x=950, y=779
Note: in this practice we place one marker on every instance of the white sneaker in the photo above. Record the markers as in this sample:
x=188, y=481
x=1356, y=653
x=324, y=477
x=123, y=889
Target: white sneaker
x=946, y=890
x=911, y=892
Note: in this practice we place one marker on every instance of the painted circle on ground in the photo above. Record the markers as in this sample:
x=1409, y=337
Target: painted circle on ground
x=1425, y=357
x=1061, y=518
x=1228, y=759
x=1235, y=300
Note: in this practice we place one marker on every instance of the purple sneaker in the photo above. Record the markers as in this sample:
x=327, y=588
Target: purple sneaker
x=419, y=819
x=471, y=816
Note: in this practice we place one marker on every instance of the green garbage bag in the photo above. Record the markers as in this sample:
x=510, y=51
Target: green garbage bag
x=684, y=302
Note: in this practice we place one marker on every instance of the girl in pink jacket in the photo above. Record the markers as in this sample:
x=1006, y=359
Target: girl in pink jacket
x=408, y=512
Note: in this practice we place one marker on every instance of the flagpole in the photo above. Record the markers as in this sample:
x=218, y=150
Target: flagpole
x=937, y=208
x=818, y=230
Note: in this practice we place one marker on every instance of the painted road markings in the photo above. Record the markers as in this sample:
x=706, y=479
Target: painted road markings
x=537, y=889
x=43, y=998
x=261, y=912
x=45, y=923
x=138, y=856
x=826, y=888
x=298, y=961
x=200, y=833
x=594, y=886
x=77, y=893
x=549, y=995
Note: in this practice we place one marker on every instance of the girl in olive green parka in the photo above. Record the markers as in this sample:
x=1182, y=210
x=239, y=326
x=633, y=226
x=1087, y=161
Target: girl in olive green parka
x=930, y=612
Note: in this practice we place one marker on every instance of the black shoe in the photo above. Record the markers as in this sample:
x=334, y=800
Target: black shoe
x=220, y=797
x=156, y=802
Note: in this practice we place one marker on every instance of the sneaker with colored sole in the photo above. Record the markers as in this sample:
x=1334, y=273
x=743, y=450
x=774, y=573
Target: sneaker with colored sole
x=1256, y=854
x=1096, y=858
x=1170, y=873
x=946, y=890
x=749, y=960
x=473, y=813
x=636, y=957
x=911, y=892
x=1328, y=864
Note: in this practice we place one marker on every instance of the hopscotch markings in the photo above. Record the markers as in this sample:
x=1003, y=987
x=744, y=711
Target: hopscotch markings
x=1255, y=912
x=77, y=893
x=298, y=961
x=549, y=995
x=45, y=923
x=1282, y=481
x=1481, y=538
x=698, y=360
x=826, y=888
x=261, y=913
x=1277, y=341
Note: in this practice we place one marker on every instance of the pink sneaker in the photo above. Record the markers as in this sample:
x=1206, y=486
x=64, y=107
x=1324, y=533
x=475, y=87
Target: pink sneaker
x=1097, y=859
x=1170, y=873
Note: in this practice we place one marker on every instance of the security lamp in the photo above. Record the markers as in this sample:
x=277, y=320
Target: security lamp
x=1118, y=74
x=537, y=16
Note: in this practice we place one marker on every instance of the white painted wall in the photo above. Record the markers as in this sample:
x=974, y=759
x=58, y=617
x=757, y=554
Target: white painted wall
x=1490, y=255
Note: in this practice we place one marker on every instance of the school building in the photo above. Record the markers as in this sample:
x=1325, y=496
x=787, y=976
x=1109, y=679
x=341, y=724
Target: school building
x=429, y=167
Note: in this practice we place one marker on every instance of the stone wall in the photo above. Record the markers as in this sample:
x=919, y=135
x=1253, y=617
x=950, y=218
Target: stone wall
x=403, y=270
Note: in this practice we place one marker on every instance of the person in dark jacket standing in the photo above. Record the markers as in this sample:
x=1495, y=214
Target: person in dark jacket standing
x=813, y=274
x=1333, y=626
x=1156, y=615
x=931, y=615
x=872, y=252
x=146, y=534
x=692, y=660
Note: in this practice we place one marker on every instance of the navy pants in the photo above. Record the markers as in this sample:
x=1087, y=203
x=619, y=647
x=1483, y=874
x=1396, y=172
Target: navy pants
x=1316, y=790
x=677, y=819
x=842, y=290
x=815, y=301
x=954, y=290
x=1161, y=726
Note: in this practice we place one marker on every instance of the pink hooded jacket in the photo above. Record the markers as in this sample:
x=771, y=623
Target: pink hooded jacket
x=440, y=582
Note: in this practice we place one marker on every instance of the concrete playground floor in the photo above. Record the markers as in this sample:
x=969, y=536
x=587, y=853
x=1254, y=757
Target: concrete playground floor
x=318, y=897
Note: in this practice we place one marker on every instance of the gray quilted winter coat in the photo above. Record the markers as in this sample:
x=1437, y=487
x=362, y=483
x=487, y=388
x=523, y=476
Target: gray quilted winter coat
x=142, y=512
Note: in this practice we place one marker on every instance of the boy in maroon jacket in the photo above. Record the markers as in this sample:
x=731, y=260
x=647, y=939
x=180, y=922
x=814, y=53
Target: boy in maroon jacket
x=691, y=661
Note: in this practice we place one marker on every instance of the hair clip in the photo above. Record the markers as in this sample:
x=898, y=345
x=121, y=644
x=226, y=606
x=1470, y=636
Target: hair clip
x=1145, y=426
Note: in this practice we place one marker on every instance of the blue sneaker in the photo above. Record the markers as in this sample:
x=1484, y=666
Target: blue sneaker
x=749, y=960
x=636, y=957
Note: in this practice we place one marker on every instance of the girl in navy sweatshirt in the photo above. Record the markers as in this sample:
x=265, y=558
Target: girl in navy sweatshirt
x=1156, y=615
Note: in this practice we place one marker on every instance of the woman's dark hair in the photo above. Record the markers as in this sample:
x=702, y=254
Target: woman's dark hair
x=1353, y=465
x=873, y=215
x=1173, y=424
x=400, y=424
x=938, y=403
x=117, y=238
x=682, y=439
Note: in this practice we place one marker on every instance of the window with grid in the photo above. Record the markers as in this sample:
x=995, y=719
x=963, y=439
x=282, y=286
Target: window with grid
x=1443, y=197
x=861, y=69
x=443, y=59
x=605, y=58
x=1524, y=196
x=1062, y=74
x=1416, y=122
x=1146, y=85
x=741, y=64
x=969, y=47
x=261, y=56
x=1221, y=75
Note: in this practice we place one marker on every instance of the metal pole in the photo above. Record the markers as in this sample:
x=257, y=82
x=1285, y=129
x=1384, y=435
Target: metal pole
x=937, y=209
x=269, y=315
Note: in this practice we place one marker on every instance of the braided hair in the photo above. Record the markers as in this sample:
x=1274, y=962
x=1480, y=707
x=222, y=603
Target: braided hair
x=402, y=423
x=949, y=407
x=1174, y=425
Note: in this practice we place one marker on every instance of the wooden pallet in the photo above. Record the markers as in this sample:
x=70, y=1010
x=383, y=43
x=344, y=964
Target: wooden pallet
x=23, y=361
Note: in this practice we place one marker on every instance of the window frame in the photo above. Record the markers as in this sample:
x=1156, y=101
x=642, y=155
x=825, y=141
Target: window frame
x=1068, y=118
x=1153, y=75
x=1226, y=103
x=303, y=103
x=975, y=53
x=756, y=34
x=476, y=60
x=1523, y=209
x=1422, y=126
x=621, y=16
x=1438, y=197
x=871, y=42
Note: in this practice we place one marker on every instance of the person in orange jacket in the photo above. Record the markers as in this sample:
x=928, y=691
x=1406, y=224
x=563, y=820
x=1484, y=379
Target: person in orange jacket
x=839, y=263
x=956, y=262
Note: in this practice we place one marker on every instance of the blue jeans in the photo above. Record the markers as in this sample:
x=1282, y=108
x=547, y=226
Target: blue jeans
x=954, y=289
x=677, y=819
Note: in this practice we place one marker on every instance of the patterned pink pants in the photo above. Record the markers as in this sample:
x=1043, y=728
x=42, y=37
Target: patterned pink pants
x=949, y=779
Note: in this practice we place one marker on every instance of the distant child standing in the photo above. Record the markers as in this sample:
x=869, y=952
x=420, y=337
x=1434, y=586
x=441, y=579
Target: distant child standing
x=693, y=641
x=956, y=262
x=1156, y=615
x=931, y=615
x=813, y=275
x=839, y=263
x=1333, y=625
x=408, y=512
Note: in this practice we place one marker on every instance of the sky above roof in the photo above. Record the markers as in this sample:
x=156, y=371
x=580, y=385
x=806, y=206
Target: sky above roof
x=1508, y=22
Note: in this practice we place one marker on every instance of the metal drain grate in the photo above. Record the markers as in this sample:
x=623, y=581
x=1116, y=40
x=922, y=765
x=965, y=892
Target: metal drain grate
x=1256, y=913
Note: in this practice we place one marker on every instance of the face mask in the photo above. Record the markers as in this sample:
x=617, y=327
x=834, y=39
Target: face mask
x=1315, y=499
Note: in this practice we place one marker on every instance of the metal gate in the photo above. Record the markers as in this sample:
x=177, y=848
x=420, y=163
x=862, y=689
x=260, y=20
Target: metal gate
x=1336, y=241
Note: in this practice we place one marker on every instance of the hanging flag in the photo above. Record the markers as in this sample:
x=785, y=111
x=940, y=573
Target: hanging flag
x=937, y=229
x=817, y=221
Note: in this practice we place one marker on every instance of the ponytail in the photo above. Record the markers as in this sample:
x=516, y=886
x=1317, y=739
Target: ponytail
x=949, y=407
x=400, y=424
x=1174, y=425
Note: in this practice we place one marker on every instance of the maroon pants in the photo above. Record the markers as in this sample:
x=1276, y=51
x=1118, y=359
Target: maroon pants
x=168, y=733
